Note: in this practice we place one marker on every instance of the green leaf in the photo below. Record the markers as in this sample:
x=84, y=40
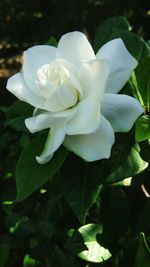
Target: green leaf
x=118, y=28
x=136, y=45
x=29, y=262
x=79, y=186
x=143, y=224
x=86, y=237
x=59, y=259
x=4, y=254
x=133, y=165
x=17, y=113
x=30, y=175
x=145, y=150
x=115, y=216
x=142, y=128
x=142, y=84
x=104, y=31
x=52, y=41
x=143, y=253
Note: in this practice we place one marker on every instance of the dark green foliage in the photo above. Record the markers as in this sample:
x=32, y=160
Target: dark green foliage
x=70, y=213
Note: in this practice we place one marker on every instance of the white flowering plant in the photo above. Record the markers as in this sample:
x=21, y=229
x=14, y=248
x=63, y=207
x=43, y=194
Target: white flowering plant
x=83, y=111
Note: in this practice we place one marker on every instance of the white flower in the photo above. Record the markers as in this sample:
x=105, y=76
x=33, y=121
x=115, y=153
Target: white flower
x=74, y=93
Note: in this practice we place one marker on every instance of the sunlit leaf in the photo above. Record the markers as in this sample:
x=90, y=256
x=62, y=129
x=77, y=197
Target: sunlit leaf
x=142, y=128
x=28, y=261
x=142, y=83
x=86, y=245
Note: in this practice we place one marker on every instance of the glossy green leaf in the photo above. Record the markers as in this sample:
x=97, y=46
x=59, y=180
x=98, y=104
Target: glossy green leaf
x=17, y=113
x=143, y=128
x=142, y=76
x=132, y=166
x=30, y=175
x=119, y=29
x=87, y=246
x=135, y=44
x=104, y=31
x=79, y=186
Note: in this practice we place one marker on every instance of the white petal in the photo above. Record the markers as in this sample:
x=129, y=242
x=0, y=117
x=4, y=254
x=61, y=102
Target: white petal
x=93, y=146
x=93, y=76
x=121, y=111
x=17, y=86
x=75, y=48
x=54, y=140
x=87, y=117
x=122, y=63
x=44, y=120
x=34, y=58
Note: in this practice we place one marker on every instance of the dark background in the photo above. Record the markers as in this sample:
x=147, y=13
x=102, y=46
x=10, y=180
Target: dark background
x=25, y=23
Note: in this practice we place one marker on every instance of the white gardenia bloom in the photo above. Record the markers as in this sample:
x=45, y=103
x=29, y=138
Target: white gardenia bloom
x=74, y=93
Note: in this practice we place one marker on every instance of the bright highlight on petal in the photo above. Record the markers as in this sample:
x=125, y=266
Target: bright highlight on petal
x=75, y=48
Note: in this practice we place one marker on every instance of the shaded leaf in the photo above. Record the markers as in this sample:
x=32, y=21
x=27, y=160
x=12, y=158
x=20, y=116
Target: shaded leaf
x=79, y=186
x=17, y=113
x=118, y=28
x=30, y=175
x=4, y=254
x=52, y=41
x=115, y=217
x=60, y=259
x=133, y=165
x=143, y=224
x=104, y=31
x=135, y=44
x=143, y=253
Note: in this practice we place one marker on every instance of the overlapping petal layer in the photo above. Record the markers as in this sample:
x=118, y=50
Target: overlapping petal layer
x=34, y=58
x=17, y=86
x=74, y=95
x=121, y=111
x=54, y=140
x=75, y=48
x=92, y=146
x=121, y=63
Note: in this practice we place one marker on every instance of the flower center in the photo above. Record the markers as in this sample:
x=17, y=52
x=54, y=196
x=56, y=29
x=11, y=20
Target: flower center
x=59, y=86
